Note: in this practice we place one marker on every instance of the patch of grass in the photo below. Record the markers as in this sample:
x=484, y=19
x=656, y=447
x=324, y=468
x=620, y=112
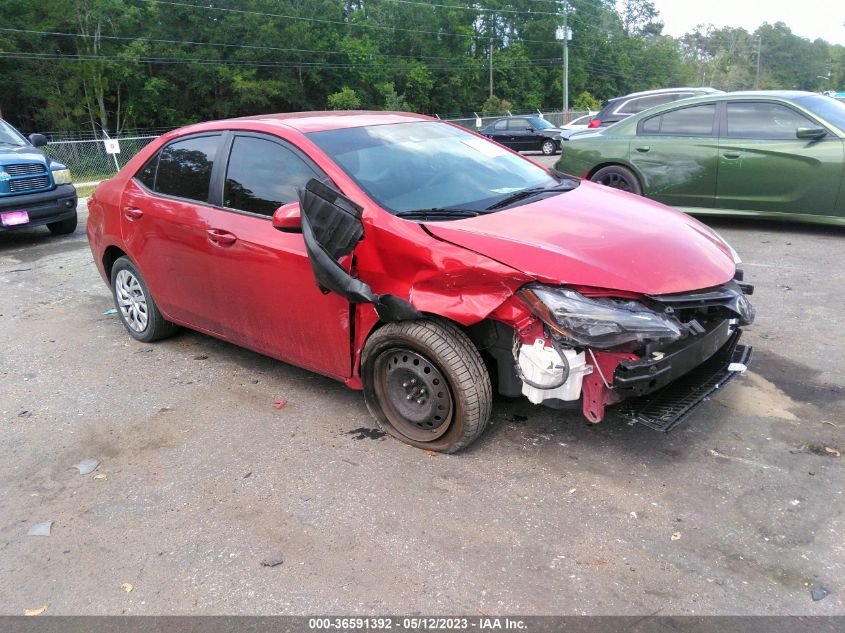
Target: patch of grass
x=84, y=192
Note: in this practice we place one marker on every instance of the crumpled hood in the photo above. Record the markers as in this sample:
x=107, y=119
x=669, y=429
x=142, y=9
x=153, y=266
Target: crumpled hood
x=600, y=237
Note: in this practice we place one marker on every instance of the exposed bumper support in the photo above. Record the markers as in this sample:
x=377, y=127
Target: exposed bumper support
x=637, y=378
x=664, y=409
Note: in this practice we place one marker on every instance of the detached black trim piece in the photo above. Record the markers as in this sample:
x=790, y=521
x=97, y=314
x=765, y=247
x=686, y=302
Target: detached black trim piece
x=331, y=228
x=665, y=409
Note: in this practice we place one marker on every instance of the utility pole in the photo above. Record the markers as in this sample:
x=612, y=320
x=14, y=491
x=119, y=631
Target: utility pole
x=564, y=33
x=491, y=68
x=566, y=71
x=757, y=79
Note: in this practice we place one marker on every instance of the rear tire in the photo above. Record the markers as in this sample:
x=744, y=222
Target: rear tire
x=63, y=227
x=618, y=177
x=426, y=384
x=135, y=305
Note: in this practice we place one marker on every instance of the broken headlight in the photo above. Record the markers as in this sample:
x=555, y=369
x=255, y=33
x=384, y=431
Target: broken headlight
x=597, y=322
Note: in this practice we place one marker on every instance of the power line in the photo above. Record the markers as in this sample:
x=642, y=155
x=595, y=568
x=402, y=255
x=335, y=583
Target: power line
x=214, y=44
x=260, y=64
x=481, y=65
x=476, y=9
x=340, y=22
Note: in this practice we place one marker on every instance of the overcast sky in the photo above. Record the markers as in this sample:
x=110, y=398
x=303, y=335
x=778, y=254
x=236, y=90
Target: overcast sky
x=807, y=18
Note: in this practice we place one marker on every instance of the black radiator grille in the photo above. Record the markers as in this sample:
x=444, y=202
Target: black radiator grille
x=28, y=184
x=24, y=169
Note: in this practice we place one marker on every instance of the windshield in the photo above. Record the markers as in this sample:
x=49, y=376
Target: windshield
x=540, y=124
x=830, y=110
x=429, y=165
x=10, y=136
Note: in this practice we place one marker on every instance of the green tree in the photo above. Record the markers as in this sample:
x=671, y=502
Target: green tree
x=345, y=99
x=496, y=105
x=586, y=101
x=392, y=101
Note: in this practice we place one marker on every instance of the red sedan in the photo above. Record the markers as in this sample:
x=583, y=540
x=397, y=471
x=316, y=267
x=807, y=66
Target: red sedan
x=423, y=264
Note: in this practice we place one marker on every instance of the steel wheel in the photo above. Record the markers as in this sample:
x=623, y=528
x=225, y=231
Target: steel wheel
x=414, y=393
x=548, y=148
x=131, y=301
x=426, y=384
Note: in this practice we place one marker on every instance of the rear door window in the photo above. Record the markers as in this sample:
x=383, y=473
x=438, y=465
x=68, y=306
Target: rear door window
x=770, y=121
x=262, y=175
x=693, y=121
x=184, y=168
x=501, y=125
x=147, y=174
x=635, y=106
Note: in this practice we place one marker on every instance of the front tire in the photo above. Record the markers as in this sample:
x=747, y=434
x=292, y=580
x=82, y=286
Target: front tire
x=426, y=384
x=63, y=227
x=135, y=305
x=548, y=148
x=618, y=177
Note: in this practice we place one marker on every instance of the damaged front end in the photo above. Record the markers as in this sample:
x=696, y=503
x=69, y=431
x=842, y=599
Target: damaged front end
x=660, y=354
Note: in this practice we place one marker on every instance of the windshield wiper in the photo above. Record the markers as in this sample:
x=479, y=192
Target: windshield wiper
x=438, y=213
x=567, y=185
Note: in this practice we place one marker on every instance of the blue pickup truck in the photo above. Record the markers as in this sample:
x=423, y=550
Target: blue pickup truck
x=34, y=189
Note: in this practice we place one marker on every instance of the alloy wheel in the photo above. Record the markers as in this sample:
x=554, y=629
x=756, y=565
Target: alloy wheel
x=617, y=181
x=131, y=300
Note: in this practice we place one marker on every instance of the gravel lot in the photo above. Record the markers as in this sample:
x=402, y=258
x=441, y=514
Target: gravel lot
x=739, y=511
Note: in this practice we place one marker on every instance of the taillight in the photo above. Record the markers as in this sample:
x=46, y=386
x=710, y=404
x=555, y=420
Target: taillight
x=594, y=123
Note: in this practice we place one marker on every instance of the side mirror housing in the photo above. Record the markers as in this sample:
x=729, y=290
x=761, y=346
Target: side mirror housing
x=287, y=218
x=810, y=133
x=39, y=140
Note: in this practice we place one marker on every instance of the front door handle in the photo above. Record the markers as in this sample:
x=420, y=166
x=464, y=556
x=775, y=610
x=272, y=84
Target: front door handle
x=132, y=213
x=731, y=155
x=642, y=149
x=218, y=237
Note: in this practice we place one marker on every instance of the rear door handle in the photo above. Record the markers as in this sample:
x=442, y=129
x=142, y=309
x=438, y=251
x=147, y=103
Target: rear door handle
x=643, y=149
x=731, y=155
x=132, y=213
x=218, y=237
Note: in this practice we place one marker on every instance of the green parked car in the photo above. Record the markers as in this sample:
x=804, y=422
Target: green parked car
x=778, y=154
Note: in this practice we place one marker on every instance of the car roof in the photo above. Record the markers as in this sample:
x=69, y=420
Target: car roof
x=660, y=91
x=786, y=95
x=517, y=116
x=306, y=122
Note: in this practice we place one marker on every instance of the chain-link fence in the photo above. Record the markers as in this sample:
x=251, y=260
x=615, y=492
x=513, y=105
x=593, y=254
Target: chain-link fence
x=90, y=162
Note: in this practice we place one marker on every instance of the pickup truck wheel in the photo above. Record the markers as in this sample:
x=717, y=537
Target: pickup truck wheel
x=618, y=177
x=427, y=385
x=63, y=227
x=135, y=305
x=548, y=148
